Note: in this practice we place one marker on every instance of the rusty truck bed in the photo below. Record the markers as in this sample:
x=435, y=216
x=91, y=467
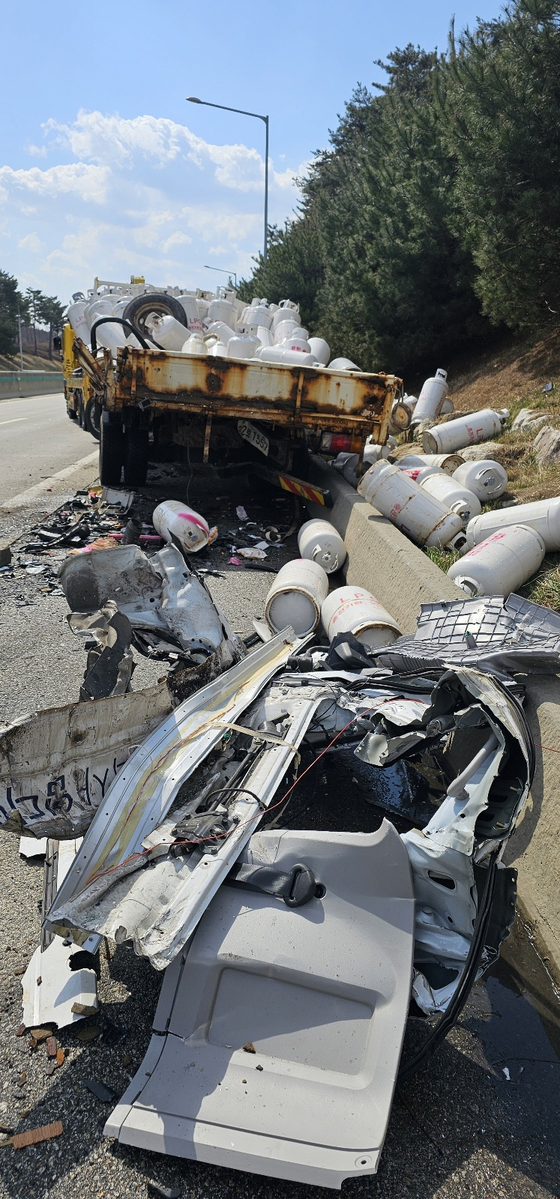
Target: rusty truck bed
x=292, y=396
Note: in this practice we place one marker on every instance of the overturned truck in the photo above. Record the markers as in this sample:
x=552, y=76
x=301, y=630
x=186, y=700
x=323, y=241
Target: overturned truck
x=310, y=846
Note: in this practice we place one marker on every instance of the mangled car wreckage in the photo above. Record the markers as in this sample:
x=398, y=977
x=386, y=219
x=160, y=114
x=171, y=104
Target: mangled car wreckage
x=307, y=845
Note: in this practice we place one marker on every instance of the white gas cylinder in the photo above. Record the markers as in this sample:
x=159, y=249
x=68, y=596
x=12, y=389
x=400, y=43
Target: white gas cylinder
x=220, y=330
x=456, y=498
x=284, y=357
x=78, y=321
x=400, y=417
x=541, y=515
x=242, y=346
x=286, y=309
x=203, y=306
x=420, y=515
x=343, y=364
x=446, y=462
x=297, y=343
x=320, y=348
x=500, y=563
x=487, y=478
x=192, y=313
x=283, y=330
x=355, y=610
x=296, y=596
x=465, y=430
x=195, y=344
x=432, y=395
x=95, y=309
x=219, y=349
x=167, y=331
x=173, y=519
x=373, y=452
x=222, y=310
x=259, y=315
x=447, y=407
x=320, y=542
x=419, y=473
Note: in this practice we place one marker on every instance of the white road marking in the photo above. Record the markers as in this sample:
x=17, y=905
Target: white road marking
x=34, y=493
x=15, y=420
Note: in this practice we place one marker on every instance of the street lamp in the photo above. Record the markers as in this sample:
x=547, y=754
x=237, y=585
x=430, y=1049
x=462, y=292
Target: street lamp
x=259, y=116
x=222, y=271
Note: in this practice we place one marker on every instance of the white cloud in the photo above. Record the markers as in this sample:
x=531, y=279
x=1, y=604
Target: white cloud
x=176, y=239
x=85, y=180
x=31, y=242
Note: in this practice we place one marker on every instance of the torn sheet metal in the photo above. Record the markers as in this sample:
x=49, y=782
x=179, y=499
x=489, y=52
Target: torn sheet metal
x=32, y=847
x=117, y=843
x=278, y=1034
x=159, y=595
x=56, y=766
x=51, y=988
x=489, y=631
x=110, y=661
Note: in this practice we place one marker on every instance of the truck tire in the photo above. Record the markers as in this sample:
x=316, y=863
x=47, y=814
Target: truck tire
x=92, y=418
x=155, y=301
x=111, y=451
x=136, y=444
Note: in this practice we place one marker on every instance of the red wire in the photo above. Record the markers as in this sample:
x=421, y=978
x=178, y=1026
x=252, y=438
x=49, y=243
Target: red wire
x=222, y=836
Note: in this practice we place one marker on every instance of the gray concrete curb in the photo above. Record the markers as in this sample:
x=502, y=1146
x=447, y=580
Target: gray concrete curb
x=402, y=578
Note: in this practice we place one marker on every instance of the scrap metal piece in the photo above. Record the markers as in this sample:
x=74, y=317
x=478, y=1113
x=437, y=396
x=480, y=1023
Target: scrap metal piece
x=32, y=847
x=160, y=913
x=319, y=994
x=110, y=663
x=52, y=989
x=56, y=766
x=158, y=595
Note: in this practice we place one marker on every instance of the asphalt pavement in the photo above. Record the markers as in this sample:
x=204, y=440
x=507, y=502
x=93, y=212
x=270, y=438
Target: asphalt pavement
x=37, y=440
x=479, y=1120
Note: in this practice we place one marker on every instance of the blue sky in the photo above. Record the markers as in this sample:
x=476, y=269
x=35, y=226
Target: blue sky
x=105, y=169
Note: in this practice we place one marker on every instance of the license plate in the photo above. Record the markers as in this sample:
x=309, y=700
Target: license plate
x=254, y=436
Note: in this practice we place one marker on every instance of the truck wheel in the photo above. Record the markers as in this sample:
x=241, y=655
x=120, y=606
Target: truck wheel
x=155, y=301
x=92, y=418
x=111, y=452
x=136, y=443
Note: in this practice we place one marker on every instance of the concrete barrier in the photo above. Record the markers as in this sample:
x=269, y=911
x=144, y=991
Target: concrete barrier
x=29, y=383
x=402, y=578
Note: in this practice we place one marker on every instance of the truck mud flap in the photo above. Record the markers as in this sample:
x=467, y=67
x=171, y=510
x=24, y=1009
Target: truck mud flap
x=308, y=491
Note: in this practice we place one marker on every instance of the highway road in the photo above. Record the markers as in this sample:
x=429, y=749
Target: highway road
x=36, y=440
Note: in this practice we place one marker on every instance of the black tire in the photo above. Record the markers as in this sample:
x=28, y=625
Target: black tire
x=111, y=452
x=80, y=411
x=92, y=418
x=155, y=301
x=136, y=446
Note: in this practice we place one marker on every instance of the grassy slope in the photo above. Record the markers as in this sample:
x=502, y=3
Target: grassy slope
x=512, y=375
x=31, y=362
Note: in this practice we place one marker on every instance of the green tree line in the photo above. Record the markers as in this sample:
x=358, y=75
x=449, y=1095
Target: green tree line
x=32, y=308
x=433, y=218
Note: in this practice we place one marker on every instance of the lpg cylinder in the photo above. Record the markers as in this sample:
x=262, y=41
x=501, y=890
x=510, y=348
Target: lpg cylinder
x=431, y=398
x=487, y=479
x=320, y=348
x=419, y=473
x=259, y=314
x=78, y=321
x=420, y=515
x=446, y=462
x=355, y=610
x=456, y=498
x=343, y=364
x=222, y=310
x=219, y=350
x=192, y=313
x=173, y=519
x=286, y=310
x=283, y=330
x=400, y=418
x=195, y=344
x=542, y=515
x=373, y=452
x=220, y=330
x=282, y=356
x=295, y=342
x=465, y=430
x=500, y=563
x=242, y=345
x=167, y=331
x=296, y=596
x=320, y=542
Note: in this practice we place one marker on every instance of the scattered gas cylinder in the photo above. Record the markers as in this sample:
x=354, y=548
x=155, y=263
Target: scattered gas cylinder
x=446, y=462
x=296, y=596
x=465, y=430
x=420, y=515
x=355, y=610
x=487, y=479
x=500, y=563
x=321, y=542
x=431, y=398
x=173, y=519
x=458, y=499
x=542, y=515
x=320, y=349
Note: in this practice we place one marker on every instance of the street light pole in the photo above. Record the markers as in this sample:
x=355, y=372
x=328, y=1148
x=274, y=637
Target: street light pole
x=259, y=116
x=222, y=271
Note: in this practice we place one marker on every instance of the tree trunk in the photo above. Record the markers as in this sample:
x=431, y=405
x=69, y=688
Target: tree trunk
x=50, y=340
